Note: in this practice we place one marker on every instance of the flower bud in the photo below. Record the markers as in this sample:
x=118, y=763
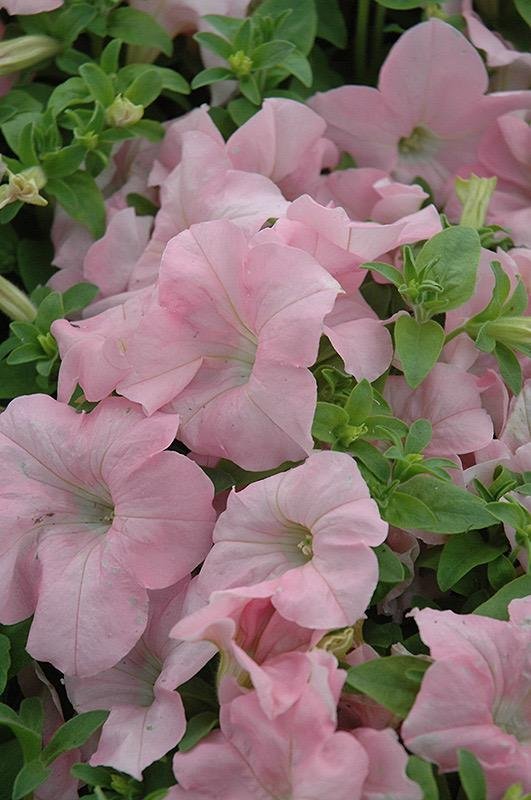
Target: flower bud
x=513, y=332
x=14, y=303
x=474, y=194
x=122, y=112
x=25, y=51
x=24, y=187
x=240, y=63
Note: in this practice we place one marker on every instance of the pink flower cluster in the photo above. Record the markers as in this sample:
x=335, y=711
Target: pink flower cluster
x=207, y=324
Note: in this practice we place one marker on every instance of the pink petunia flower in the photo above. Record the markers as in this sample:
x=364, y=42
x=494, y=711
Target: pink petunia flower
x=259, y=648
x=238, y=325
x=95, y=514
x=147, y=714
x=311, y=528
x=477, y=696
x=299, y=754
x=450, y=399
x=412, y=125
x=284, y=141
x=505, y=151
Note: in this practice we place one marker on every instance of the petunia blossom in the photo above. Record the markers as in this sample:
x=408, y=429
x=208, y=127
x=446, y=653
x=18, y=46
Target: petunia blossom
x=239, y=323
x=505, y=151
x=476, y=695
x=450, y=399
x=259, y=648
x=284, y=141
x=298, y=754
x=95, y=514
x=147, y=714
x=205, y=186
x=311, y=528
x=412, y=125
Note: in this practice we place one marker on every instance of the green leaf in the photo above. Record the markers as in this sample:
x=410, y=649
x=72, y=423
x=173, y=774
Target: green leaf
x=11, y=762
x=34, y=259
x=81, y=199
x=471, y=775
x=455, y=510
x=524, y=9
x=79, y=296
x=359, y=403
x=71, y=21
x=110, y=57
x=16, y=380
x=298, y=65
x=29, y=740
x=150, y=129
x=298, y=27
x=371, y=458
x=5, y=661
x=138, y=27
x=98, y=82
x=227, y=26
x=73, y=91
x=30, y=776
x=510, y=368
x=13, y=129
x=331, y=23
x=391, y=569
x=391, y=273
x=18, y=636
x=31, y=713
x=241, y=110
x=393, y=681
x=142, y=205
x=198, y=727
x=25, y=354
x=217, y=44
x=63, y=162
x=418, y=346
x=327, y=418
x=211, y=75
x=500, y=572
x=271, y=54
x=145, y=88
x=404, y=511
x=93, y=776
x=421, y=772
x=418, y=437
x=511, y=513
x=455, y=252
x=171, y=79
x=73, y=734
x=461, y=554
x=497, y=605
x=249, y=89
x=49, y=310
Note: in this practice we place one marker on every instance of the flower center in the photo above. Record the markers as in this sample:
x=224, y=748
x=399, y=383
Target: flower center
x=420, y=141
x=305, y=545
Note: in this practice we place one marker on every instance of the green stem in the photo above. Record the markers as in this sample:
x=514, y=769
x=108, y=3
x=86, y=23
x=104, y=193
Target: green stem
x=377, y=39
x=454, y=333
x=360, y=44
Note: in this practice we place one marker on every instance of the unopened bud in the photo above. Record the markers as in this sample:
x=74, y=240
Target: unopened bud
x=516, y=792
x=513, y=332
x=339, y=643
x=474, y=194
x=240, y=63
x=14, y=303
x=24, y=187
x=122, y=113
x=25, y=51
